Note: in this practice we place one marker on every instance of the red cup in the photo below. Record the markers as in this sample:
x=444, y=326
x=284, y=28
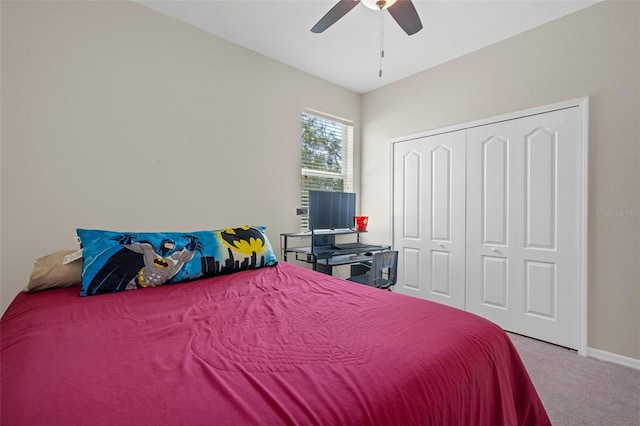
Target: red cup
x=361, y=223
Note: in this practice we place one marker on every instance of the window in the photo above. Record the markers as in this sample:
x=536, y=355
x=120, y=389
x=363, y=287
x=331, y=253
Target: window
x=327, y=156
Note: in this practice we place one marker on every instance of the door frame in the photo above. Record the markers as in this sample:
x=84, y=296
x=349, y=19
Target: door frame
x=582, y=104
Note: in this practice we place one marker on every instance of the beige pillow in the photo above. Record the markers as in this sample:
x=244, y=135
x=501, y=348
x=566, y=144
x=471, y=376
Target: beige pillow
x=50, y=272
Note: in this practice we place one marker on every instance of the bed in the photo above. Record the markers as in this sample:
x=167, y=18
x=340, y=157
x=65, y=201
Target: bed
x=208, y=328
x=279, y=345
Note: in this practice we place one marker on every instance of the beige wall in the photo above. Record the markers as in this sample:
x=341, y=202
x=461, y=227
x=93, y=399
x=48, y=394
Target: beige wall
x=117, y=117
x=595, y=53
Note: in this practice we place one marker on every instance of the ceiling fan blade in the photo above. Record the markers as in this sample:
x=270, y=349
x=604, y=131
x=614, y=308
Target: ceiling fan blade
x=332, y=16
x=405, y=14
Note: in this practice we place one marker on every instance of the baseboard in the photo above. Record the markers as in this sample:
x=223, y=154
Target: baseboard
x=613, y=358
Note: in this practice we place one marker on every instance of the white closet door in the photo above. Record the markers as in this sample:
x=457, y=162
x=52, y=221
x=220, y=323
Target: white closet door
x=522, y=229
x=429, y=217
x=492, y=223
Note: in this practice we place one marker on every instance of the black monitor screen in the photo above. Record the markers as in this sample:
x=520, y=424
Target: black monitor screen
x=331, y=210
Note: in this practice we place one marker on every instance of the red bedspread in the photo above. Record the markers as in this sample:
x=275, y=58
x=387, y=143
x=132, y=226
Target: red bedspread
x=274, y=346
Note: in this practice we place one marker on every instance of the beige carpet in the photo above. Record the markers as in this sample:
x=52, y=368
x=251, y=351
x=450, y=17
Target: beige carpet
x=576, y=390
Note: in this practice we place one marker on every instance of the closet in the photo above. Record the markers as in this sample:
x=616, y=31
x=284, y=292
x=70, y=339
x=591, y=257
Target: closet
x=490, y=217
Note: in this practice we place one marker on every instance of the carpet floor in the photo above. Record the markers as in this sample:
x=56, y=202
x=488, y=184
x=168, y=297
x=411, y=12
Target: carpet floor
x=577, y=390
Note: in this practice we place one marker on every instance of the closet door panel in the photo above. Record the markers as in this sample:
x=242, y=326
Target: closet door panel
x=522, y=207
x=494, y=186
x=409, y=269
x=540, y=289
x=408, y=214
x=412, y=188
x=440, y=194
x=495, y=291
x=441, y=273
x=549, y=258
x=492, y=227
x=540, y=186
x=429, y=204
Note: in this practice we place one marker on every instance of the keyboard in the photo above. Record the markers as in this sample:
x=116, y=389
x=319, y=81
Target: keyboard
x=354, y=246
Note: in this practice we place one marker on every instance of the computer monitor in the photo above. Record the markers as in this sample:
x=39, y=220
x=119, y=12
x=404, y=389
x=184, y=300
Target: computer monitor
x=331, y=210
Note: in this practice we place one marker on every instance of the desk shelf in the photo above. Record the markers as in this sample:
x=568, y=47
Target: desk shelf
x=323, y=253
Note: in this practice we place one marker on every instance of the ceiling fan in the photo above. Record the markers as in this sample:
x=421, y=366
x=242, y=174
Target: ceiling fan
x=402, y=11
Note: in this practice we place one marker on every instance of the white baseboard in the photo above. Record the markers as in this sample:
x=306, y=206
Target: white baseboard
x=613, y=358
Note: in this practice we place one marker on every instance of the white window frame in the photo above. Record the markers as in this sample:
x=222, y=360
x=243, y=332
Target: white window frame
x=346, y=172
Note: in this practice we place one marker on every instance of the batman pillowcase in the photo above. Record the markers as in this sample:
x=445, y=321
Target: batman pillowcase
x=118, y=261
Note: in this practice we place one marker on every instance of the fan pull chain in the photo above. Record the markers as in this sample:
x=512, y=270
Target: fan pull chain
x=381, y=41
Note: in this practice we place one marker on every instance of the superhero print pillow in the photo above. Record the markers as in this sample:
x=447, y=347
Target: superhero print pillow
x=118, y=261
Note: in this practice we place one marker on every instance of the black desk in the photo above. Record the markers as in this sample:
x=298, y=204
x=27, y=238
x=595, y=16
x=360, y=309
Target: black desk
x=324, y=253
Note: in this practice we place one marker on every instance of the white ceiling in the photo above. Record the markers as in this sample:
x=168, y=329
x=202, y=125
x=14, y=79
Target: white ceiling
x=347, y=53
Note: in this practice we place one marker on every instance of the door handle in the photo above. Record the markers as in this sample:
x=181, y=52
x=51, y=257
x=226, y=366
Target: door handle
x=495, y=250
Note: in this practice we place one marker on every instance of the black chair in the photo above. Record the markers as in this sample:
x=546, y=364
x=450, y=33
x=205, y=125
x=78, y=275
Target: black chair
x=383, y=264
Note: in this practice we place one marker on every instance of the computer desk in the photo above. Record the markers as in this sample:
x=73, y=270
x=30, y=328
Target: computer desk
x=323, y=253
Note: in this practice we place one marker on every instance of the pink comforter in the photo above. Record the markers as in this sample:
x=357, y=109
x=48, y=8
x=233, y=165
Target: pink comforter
x=274, y=346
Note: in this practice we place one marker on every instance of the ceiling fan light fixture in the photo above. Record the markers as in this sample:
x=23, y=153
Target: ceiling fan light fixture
x=402, y=11
x=378, y=4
